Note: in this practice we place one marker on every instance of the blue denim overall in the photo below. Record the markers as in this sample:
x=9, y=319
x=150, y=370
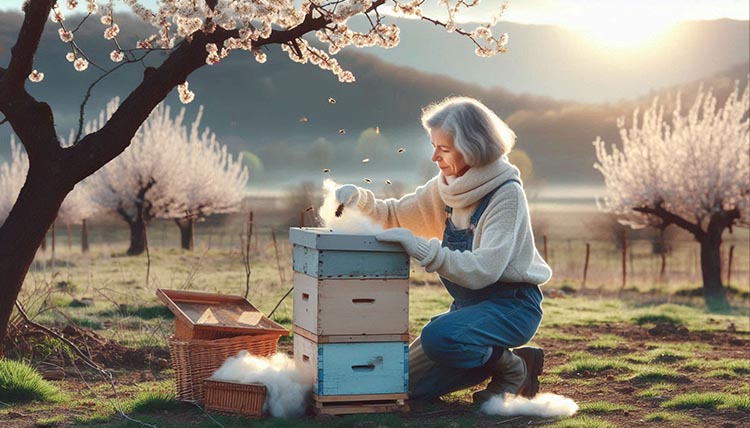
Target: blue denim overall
x=453, y=347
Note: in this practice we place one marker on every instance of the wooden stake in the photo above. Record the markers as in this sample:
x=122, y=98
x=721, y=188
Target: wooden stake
x=624, y=258
x=84, y=237
x=586, y=265
x=546, y=258
x=729, y=264
x=663, y=266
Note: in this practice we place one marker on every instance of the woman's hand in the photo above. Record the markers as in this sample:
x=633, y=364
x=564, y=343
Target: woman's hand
x=401, y=236
x=348, y=194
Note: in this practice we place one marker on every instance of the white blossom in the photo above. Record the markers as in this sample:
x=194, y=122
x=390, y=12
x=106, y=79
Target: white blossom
x=65, y=35
x=111, y=32
x=80, y=64
x=56, y=15
x=36, y=76
x=693, y=167
x=116, y=55
x=186, y=96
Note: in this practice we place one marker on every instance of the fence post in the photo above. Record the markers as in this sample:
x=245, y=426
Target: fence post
x=663, y=265
x=624, y=258
x=84, y=237
x=302, y=219
x=729, y=264
x=546, y=258
x=586, y=265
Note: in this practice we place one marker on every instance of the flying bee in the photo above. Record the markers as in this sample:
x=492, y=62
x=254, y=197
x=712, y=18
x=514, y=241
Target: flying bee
x=308, y=209
x=303, y=119
x=339, y=210
x=331, y=100
x=365, y=160
x=401, y=150
x=388, y=182
x=367, y=180
x=326, y=170
x=342, y=131
x=377, y=130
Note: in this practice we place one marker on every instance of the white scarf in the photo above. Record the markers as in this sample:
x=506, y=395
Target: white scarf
x=468, y=189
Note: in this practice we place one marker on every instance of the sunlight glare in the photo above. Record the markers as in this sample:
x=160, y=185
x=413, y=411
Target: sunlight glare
x=622, y=25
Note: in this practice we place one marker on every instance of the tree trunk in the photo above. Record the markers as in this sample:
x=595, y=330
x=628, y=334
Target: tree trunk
x=186, y=226
x=21, y=235
x=137, y=236
x=713, y=291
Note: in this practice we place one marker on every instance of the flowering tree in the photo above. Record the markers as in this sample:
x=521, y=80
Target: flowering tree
x=192, y=34
x=693, y=173
x=168, y=171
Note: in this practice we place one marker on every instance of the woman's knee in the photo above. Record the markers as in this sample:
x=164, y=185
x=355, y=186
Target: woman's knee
x=434, y=341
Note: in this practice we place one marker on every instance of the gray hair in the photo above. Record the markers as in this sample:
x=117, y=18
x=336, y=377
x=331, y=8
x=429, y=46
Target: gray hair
x=478, y=134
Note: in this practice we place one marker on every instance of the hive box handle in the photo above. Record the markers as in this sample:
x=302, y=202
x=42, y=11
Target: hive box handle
x=364, y=368
x=305, y=296
x=363, y=301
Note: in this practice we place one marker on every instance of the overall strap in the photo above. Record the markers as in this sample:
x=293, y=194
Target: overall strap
x=484, y=203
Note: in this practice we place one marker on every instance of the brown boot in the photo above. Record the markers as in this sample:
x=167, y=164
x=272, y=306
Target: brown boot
x=514, y=373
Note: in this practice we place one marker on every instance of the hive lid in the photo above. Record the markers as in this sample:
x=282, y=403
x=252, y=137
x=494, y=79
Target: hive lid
x=218, y=312
x=326, y=239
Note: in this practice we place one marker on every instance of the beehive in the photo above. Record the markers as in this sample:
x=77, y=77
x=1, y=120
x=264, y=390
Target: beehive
x=351, y=318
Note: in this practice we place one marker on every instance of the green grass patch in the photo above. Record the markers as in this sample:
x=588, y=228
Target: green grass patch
x=668, y=417
x=661, y=355
x=583, y=421
x=153, y=401
x=53, y=421
x=723, y=368
x=657, y=319
x=554, y=334
x=20, y=383
x=709, y=400
x=585, y=363
x=656, y=390
x=656, y=374
x=606, y=341
x=605, y=407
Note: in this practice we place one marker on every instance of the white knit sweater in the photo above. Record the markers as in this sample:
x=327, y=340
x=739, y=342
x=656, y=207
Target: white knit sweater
x=503, y=246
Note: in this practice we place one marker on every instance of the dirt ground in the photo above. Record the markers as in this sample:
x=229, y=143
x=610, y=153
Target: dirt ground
x=130, y=368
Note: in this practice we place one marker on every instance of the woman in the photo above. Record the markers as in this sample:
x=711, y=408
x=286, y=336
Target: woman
x=486, y=258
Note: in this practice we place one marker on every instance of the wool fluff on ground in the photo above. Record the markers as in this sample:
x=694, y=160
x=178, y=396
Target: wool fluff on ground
x=543, y=405
x=287, y=389
x=351, y=220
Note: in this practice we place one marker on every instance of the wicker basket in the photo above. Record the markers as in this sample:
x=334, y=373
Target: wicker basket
x=195, y=360
x=233, y=397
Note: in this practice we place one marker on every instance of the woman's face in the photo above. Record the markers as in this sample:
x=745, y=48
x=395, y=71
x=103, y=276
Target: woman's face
x=445, y=155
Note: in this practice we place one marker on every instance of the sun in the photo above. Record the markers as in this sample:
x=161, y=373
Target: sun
x=622, y=28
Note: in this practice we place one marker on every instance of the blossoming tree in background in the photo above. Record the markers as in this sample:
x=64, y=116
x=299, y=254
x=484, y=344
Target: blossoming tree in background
x=692, y=172
x=191, y=34
x=168, y=171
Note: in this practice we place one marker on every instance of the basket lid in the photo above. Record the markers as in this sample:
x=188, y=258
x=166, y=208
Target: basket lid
x=218, y=312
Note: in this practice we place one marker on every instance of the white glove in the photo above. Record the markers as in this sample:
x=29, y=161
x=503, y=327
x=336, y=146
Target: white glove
x=401, y=236
x=348, y=194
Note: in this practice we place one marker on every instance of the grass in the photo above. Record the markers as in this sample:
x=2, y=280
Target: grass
x=151, y=401
x=656, y=390
x=668, y=417
x=709, y=400
x=581, y=363
x=20, y=383
x=53, y=421
x=583, y=421
x=606, y=342
x=655, y=374
x=604, y=407
x=724, y=368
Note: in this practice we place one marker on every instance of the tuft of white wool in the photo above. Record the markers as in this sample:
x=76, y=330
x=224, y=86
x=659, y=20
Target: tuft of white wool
x=288, y=390
x=544, y=405
x=351, y=220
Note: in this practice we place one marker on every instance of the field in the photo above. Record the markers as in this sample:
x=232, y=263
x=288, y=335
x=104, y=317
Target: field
x=648, y=355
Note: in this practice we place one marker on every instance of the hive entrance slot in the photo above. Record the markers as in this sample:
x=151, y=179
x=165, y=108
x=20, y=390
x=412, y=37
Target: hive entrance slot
x=364, y=368
x=363, y=301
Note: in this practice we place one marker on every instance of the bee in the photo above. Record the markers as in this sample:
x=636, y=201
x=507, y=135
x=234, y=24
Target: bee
x=331, y=100
x=401, y=150
x=342, y=131
x=326, y=170
x=365, y=160
x=303, y=119
x=388, y=182
x=377, y=130
x=339, y=210
x=308, y=209
x=367, y=180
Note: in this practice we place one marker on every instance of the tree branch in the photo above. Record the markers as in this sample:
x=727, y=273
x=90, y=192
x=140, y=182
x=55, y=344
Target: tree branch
x=22, y=54
x=671, y=218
